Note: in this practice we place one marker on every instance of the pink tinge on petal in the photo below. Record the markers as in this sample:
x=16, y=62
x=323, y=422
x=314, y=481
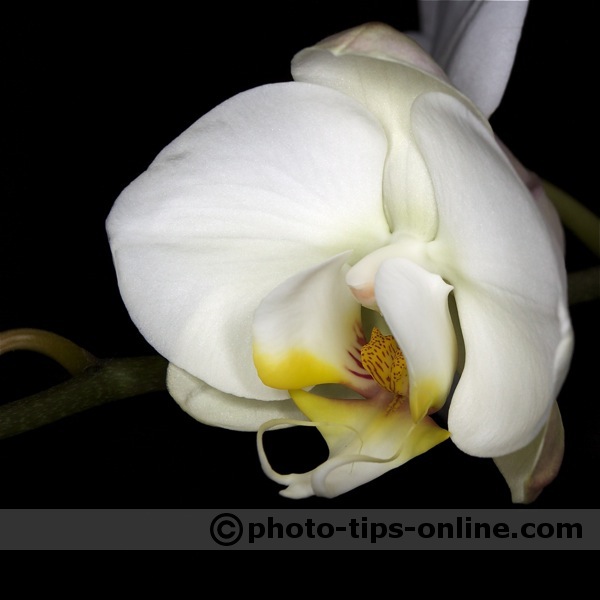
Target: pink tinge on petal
x=529, y=470
x=378, y=40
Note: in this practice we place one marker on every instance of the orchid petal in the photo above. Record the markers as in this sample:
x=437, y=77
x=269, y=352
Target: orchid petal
x=365, y=439
x=414, y=303
x=272, y=181
x=213, y=407
x=494, y=247
x=475, y=43
x=378, y=40
x=544, y=204
x=529, y=470
x=387, y=89
x=307, y=331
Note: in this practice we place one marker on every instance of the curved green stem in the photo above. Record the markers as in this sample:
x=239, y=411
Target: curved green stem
x=576, y=217
x=66, y=353
x=94, y=382
x=105, y=381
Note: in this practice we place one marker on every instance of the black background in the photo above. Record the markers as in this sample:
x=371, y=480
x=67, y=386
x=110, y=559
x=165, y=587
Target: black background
x=89, y=99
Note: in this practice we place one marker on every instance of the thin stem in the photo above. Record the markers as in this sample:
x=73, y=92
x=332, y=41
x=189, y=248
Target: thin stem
x=576, y=217
x=106, y=381
x=68, y=354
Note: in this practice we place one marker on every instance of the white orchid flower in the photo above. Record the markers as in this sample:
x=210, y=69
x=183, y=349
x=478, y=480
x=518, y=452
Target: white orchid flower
x=350, y=249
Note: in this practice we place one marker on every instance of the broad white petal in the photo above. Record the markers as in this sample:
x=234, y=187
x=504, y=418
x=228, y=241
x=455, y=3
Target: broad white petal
x=212, y=407
x=365, y=439
x=529, y=470
x=475, y=42
x=307, y=331
x=414, y=303
x=494, y=246
x=387, y=89
x=544, y=204
x=272, y=181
